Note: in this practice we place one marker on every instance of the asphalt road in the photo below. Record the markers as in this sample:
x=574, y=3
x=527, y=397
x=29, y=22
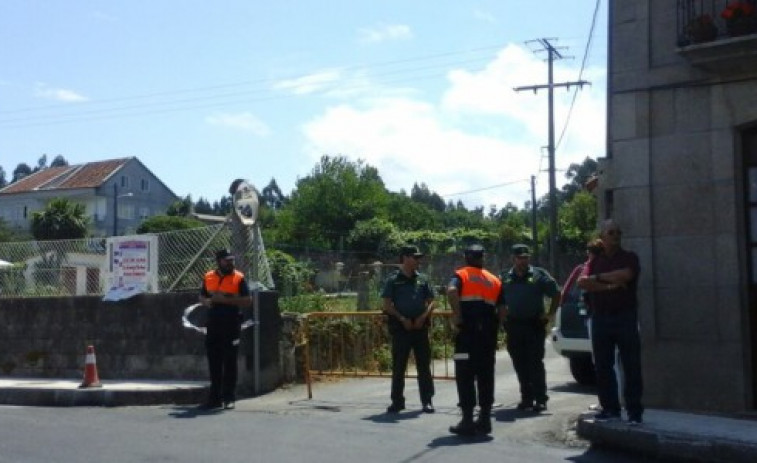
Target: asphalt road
x=344, y=422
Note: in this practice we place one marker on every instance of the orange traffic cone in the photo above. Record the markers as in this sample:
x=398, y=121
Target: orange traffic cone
x=90, y=370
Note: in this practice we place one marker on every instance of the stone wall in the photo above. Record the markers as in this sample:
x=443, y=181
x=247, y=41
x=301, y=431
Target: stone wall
x=139, y=338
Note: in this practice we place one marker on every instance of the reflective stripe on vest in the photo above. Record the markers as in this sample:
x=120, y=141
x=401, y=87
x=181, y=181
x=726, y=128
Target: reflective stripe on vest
x=226, y=284
x=479, y=285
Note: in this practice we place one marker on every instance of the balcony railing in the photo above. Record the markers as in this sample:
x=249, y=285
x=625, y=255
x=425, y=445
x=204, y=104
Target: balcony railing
x=702, y=21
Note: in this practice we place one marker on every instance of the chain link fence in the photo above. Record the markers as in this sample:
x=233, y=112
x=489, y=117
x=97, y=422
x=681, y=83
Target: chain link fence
x=82, y=267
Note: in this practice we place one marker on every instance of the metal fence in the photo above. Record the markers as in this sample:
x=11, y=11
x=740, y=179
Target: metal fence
x=357, y=344
x=81, y=267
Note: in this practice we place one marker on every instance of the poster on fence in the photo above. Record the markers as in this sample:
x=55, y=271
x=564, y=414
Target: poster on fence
x=132, y=266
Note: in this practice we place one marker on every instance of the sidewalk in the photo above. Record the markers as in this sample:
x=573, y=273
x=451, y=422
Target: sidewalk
x=66, y=393
x=677, y=436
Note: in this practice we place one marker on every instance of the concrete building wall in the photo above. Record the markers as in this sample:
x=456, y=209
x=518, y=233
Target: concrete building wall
x=671, y=178
x=139, y=338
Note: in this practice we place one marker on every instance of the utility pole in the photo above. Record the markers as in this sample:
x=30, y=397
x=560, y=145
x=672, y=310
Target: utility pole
x=534, y=236
x=550, y=86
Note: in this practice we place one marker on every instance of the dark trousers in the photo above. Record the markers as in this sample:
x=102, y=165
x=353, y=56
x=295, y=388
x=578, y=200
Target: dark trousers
x=525, y=344
x=479, y=345
x=610, y=331
x=222, y=345
x=404, y=341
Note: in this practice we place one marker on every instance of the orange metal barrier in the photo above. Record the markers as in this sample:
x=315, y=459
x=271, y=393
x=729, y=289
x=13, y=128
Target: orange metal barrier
x=357, y=344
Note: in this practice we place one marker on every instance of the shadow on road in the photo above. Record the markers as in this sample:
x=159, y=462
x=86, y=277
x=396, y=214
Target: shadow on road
x=193, y=412
x=574, y=388
x=454, y=441
x=511, y=414
x=387, y=418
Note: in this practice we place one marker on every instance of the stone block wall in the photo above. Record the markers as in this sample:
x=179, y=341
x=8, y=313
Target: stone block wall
x=139, y=338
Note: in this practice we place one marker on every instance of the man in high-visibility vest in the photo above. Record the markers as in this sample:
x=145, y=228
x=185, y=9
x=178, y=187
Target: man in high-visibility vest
x=476, y=298
x=224, y=291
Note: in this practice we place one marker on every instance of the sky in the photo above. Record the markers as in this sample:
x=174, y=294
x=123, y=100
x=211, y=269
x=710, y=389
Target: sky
x=205, y=92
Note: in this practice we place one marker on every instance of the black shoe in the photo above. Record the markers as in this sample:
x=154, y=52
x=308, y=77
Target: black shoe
x=428, y=407
x=210, y=406
x=483, y=424
x=605, y=416
x=525, y=405
x=465, y=427
x=635, y=420
x=229, y=405
x=539, y=407
x=395, y=408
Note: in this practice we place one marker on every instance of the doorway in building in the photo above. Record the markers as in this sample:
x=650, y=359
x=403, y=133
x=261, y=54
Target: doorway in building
x=750, y=183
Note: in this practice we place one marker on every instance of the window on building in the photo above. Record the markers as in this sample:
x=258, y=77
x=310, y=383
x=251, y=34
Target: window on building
x=125, y=181
x=144, y=185
x=144, y=212
x=126, y=211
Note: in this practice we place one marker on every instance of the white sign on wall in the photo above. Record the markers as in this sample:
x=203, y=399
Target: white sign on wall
x=132, y=266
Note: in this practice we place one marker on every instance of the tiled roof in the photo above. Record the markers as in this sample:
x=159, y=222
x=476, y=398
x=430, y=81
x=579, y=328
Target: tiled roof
x=89, y=175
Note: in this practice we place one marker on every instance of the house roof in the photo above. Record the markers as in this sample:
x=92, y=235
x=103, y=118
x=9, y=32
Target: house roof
x=88, y=175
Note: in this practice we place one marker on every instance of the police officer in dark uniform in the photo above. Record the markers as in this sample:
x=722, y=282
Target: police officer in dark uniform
x=477, y=302
x=525, y=287
x=224, y=291
x=408, y=303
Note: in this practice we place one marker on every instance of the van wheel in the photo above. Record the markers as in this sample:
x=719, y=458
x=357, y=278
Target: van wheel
x=582, y=369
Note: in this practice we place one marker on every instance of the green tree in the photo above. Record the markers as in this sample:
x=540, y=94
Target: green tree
x=370, y=238
x=423, y=195
x=164, y=223
x=3, y=181
x=272, y=197
x=578, y=175
x=407, y=214
x=60, y=220
x=328, y=203
x=180, y=208
x=59, y=161
x=21, y=171
x=578, y=222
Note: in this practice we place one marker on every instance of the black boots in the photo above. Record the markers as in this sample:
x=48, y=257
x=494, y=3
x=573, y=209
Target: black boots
x=466, y=426
x=483, y=423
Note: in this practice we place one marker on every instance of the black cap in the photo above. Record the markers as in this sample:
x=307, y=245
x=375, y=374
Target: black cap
x=474, y=250
x=410, y=251
x=520, y=250
x=224, y=254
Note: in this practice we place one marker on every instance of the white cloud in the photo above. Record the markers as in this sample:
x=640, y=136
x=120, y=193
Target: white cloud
x=385, y=32
x=58, y=94
x=242, y=121
x=479, y=133
x=310, y=83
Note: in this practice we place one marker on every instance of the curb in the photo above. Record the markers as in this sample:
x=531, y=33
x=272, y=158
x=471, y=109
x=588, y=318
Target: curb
x=101, y=397
x=676, y=446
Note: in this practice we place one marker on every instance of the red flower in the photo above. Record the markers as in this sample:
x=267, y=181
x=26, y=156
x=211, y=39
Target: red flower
x=737, y=10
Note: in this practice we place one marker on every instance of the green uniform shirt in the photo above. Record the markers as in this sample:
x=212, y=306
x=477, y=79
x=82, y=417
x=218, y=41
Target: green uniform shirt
x=524, y=295
x=409, y=294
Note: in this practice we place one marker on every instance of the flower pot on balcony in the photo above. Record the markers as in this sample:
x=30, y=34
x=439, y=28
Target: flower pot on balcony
x=741, y=26
x=701, y=30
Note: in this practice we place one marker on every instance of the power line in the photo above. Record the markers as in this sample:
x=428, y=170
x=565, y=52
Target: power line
x=581, y=71
x=500, y=185
x=261, y=90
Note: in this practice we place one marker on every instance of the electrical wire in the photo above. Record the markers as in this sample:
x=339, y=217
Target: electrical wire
x=581, y=72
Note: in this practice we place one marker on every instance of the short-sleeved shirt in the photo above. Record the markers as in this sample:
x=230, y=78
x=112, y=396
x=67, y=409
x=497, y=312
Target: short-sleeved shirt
x=621, y=298
x=524, y=295
x=408, y=294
